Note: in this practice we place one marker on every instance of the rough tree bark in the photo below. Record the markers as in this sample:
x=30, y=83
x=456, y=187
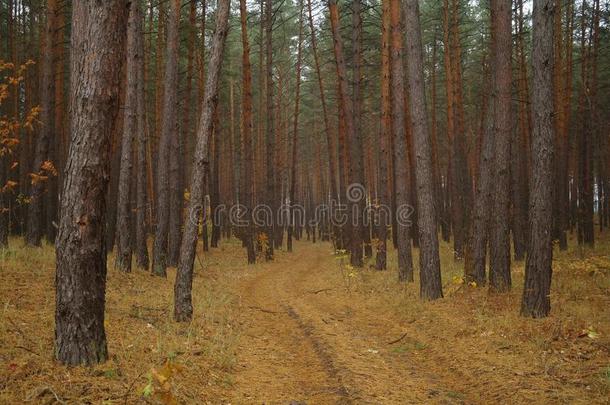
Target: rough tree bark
x=476, y=254
x=536, y=301
x=130, y=126
x=98, y=29
x=401, y=155
x=168, y=132
x=176, y=173
x=183, y=307
x=499, y=257
x=429, y=263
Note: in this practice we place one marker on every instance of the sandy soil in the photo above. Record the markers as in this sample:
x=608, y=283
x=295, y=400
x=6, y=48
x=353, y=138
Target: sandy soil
x=315, y=335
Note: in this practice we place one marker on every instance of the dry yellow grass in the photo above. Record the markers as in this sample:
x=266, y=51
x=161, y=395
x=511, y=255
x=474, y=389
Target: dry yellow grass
x=140, y=332
x=478, y=343
x=471, y=346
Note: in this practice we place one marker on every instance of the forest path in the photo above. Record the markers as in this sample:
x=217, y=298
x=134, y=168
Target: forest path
x=308, y=339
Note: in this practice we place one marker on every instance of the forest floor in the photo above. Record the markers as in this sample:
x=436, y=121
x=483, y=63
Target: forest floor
x=306, y=328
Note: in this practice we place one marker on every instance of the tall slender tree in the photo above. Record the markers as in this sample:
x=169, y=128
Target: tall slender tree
x=168, y=133
x=295, y=128
x=476, y=254
x=247, y=171
x=330, y=139
x=353, y=161
x=499, y=259
x=385, y=137
x=130, y=126
x=41, y=154
x=183, y=307
x=429, y=262
x=399, y=136
x=536, y=292
x=142, y=142
x=270, y=134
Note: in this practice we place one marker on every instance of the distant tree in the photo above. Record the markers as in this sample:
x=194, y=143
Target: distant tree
x=168, y=133
x=476, y=254
x=247, y=129
x=142, y=142
x=295, y=127
x=130, y=127
x=270, y=134
x=351, y=152
x=330, y=139
x=41, y=153
x=385, y=136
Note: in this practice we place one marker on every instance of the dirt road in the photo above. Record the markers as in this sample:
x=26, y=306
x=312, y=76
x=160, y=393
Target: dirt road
x=308, y=339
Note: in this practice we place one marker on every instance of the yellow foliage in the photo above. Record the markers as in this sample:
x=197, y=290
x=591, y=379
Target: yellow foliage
x=159, y=384
x=9, y=186
x=48, y=167
x=37, y=178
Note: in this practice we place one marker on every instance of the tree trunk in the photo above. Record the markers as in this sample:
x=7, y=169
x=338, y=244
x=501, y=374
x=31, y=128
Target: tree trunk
x=295, y=140
x=458, y=173
x=401, y=155
x=215, y=181
x=499, y=258
x=41, y=154
x=57, y=152
x=183, y=307
x=130, y=127
x=585, y=141
x=356, y=144
x=270, y=134
x=330, y=139
x=521, y=150
x=98, y=29
x=385, y=138
x=247, y=128
x=168, y=133
x=355, y=191
x=560, y=187
x=142, y=141
x=474, y=266
x=429, y=263
x=536, y=301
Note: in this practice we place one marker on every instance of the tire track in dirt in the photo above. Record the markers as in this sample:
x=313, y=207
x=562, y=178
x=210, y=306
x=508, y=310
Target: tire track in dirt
x=322, y=353
x=307, y=339
x=278, y=361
